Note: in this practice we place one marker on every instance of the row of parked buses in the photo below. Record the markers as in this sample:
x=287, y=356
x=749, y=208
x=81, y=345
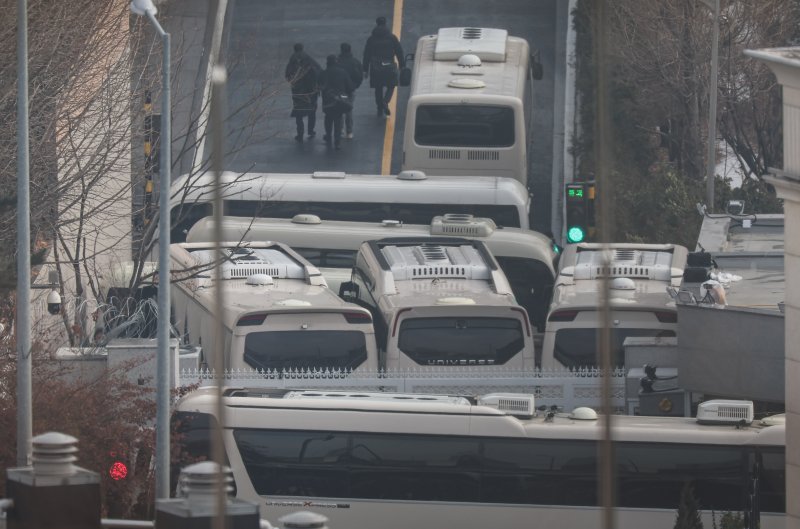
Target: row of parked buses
x=441, y=271
x=559, y=296
x=430, y=299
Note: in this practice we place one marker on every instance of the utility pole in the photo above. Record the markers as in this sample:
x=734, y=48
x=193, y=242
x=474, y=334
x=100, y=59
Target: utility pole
x=23, y=323
x=711, y=162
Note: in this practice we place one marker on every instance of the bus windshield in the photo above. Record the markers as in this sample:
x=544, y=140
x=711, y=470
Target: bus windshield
x=283, y=350
x=464, y=126
x=578, y=347
x=461, y=341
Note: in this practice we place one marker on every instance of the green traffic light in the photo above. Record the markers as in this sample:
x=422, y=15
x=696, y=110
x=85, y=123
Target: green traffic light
x=575, y=234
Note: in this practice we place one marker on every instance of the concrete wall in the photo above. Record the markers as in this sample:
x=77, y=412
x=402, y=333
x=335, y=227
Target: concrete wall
x=785, y=63
x=791, y=206
x=737, y=353
x=789, y=190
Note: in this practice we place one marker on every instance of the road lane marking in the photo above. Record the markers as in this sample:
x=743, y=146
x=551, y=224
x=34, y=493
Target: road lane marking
x=388, y=137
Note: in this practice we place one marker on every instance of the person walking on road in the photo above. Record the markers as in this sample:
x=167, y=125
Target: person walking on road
x=379, y=64
x=302, y=73
x=352, y=66
x=336, y=87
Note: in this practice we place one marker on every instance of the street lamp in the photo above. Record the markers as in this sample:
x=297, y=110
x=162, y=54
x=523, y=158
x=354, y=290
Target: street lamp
x=146, y=8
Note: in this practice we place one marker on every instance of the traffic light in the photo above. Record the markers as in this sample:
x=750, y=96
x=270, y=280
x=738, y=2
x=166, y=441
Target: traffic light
x=117, y=466
x=577, y=204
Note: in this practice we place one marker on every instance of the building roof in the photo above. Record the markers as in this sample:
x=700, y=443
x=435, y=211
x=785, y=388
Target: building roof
x=753, y=253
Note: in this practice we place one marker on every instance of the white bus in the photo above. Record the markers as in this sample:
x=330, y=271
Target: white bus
x=640, y=304
x=409, y=197
x=527, y=258
x=279, y=313
x=470, y=104
x=425, y=461
x=440, y=302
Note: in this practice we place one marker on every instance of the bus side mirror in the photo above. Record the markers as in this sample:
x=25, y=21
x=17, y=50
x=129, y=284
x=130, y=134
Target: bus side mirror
x=348, y=290
x=405, y=71
x=537, y=72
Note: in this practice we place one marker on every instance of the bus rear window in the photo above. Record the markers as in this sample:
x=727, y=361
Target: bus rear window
x=461, y=341
x=284, y=350
x=578, y=347
x=328, y=258
x=464, y=126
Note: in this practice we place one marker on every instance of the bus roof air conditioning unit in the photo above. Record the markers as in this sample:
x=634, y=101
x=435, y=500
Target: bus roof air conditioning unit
x=516, y=404
x=625, y=262
x=378, y=397
x=429, y=261
x=462, y=224
x=487, y=43
x=243, y=262
x=722, y=411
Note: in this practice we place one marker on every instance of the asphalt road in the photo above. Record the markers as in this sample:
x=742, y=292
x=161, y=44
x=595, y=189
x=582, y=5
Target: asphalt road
x=259, y=35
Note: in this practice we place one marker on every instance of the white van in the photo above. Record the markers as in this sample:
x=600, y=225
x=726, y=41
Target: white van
x=470, y=104
x=409, y=197
x=640, y=304
x=278, y=314
x=440, y=302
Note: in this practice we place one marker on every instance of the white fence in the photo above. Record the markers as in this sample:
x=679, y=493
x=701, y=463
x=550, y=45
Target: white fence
x=563, y=388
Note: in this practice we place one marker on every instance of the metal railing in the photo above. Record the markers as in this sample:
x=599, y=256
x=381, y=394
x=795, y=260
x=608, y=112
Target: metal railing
x=563, y=388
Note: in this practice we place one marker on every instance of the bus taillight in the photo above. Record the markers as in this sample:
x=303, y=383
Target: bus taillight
x=251, y=319
x=563, y=315
x=357, y=317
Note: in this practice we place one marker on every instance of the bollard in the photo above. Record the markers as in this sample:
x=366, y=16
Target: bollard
x=53, y=493
x=197, y=508
x=304, y=520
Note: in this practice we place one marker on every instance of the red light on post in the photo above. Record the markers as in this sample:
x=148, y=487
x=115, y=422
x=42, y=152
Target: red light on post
x=118, y=470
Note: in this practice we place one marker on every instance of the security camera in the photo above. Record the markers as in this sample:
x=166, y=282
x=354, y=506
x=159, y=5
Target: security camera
x=735, y=207
x=54, y=302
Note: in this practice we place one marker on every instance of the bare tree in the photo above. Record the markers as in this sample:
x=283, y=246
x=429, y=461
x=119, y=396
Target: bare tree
x=91, y=65
x=750, y=97
x=664, y=50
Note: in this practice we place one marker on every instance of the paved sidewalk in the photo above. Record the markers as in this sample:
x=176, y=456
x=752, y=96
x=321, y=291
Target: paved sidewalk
x=190, y=24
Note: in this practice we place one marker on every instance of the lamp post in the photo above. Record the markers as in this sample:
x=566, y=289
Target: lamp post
x=146, y=8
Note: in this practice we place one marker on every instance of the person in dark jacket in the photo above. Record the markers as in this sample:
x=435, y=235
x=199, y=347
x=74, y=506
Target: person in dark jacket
x=352, y=66
x=379, y=54
x=302, y=73
x=334, y=83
